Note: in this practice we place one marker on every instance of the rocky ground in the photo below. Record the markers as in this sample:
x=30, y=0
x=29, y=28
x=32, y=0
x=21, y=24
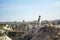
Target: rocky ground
x=47, y=33
x=43, y=33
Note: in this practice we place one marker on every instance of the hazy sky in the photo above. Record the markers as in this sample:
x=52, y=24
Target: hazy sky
x=29, y=10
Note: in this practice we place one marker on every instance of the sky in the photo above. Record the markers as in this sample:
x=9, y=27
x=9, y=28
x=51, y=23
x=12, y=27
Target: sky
x=29, y=10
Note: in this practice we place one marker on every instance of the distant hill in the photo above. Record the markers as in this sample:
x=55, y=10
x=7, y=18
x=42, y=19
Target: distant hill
x=54, y=22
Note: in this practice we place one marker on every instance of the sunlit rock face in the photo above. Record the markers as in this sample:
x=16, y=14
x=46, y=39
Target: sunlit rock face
x=47, y=33
x=4, y=37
